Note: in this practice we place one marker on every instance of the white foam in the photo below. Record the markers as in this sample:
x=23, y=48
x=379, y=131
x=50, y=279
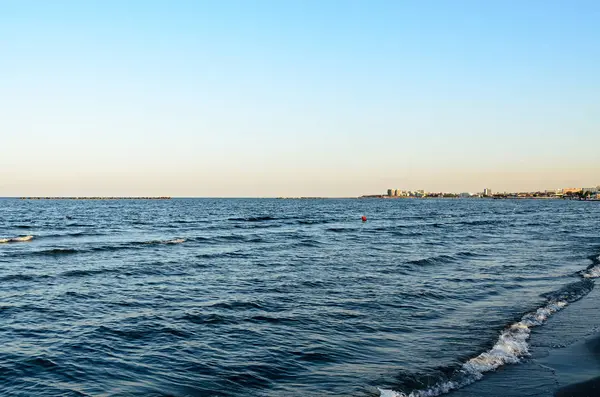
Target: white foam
x=509, y=349
x=594, y=272
x=24, y=238
x=175, y=241
x=16, y=239
x=388, y=393
x=437, y=390
x=172, y=241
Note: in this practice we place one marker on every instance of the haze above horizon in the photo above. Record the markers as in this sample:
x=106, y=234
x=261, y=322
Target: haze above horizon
x=297, y=98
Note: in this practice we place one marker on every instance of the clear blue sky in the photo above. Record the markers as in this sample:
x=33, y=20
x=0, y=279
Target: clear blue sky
x=269, y=98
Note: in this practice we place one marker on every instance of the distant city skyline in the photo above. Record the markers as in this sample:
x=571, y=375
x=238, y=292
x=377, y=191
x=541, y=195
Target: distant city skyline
x=297, y=98
x=590, y=192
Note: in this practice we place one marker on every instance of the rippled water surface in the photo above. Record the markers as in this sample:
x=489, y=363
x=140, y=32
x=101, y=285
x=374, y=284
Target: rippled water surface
x=206, y=297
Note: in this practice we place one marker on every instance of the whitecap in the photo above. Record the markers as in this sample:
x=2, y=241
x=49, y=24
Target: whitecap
x=512, y=343
x=171, y=241
x=509, y=349
x=16, y=239
x=593, y=272
x=175, y=241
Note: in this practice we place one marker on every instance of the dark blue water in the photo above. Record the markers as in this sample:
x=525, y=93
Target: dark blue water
x=206, y=297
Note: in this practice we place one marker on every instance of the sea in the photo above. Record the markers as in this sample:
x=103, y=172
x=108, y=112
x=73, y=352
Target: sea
x=285, y=297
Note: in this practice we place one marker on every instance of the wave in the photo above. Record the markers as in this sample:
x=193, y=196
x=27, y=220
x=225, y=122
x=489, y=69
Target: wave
x=90, y=272
x=74, y=234
x=230, y=254
x=115, y=247
x=308, y=242
x=148, y=331
x=480, y=222
x=231, y=237
x=314, y=221
x=138, y=222
x=298, y=220
x=22, y=277
x=512, y=343
x=58, y=251
x=266, y=225
x=339, y=229
x=434, y=260
x=238, y=305
x=40, y=362
x=16, y=239
x=250, y=238
x=414, y=233
x=135, y=245
x=254, y=219
x=270, y=319
x=593, y=270
x=209, y=318
x=171, y=241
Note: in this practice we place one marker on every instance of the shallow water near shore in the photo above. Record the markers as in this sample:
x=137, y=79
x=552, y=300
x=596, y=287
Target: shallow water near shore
x=224, y=297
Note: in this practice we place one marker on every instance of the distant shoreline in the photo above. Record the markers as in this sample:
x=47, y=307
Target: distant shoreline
x=383, y=197
x=376, y=197
x=95, y=198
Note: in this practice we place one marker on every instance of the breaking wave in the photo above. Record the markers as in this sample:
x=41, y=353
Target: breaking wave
x=172, y=241
x=113, y=247
x=593, y=271
x=512, y=343
x=16, y=239
x=441, y=259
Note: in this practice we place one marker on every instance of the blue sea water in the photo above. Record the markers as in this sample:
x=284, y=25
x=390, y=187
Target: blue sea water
x=260, y=297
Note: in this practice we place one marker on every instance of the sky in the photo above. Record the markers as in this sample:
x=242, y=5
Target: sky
x=258, y=98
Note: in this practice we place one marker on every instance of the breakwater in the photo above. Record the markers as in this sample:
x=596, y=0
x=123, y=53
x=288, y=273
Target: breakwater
x=96, y=198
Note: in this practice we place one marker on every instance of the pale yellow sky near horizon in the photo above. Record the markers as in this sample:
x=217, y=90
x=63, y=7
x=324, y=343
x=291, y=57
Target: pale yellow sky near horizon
x=274, y=184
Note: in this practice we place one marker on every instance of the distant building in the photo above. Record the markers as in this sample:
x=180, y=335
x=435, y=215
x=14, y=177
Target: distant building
x=465, y=195
x=571, y=190
x=487, y=192
x=589, y=189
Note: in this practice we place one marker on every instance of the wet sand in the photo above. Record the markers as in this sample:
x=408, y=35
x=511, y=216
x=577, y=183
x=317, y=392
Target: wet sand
x=564, y=360
x=590, y=388
x=578, y=362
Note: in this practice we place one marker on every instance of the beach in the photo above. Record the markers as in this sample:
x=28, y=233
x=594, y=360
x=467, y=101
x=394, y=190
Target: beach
x=564, y=360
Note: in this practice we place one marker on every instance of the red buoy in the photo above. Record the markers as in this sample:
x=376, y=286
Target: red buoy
x=364, y=218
